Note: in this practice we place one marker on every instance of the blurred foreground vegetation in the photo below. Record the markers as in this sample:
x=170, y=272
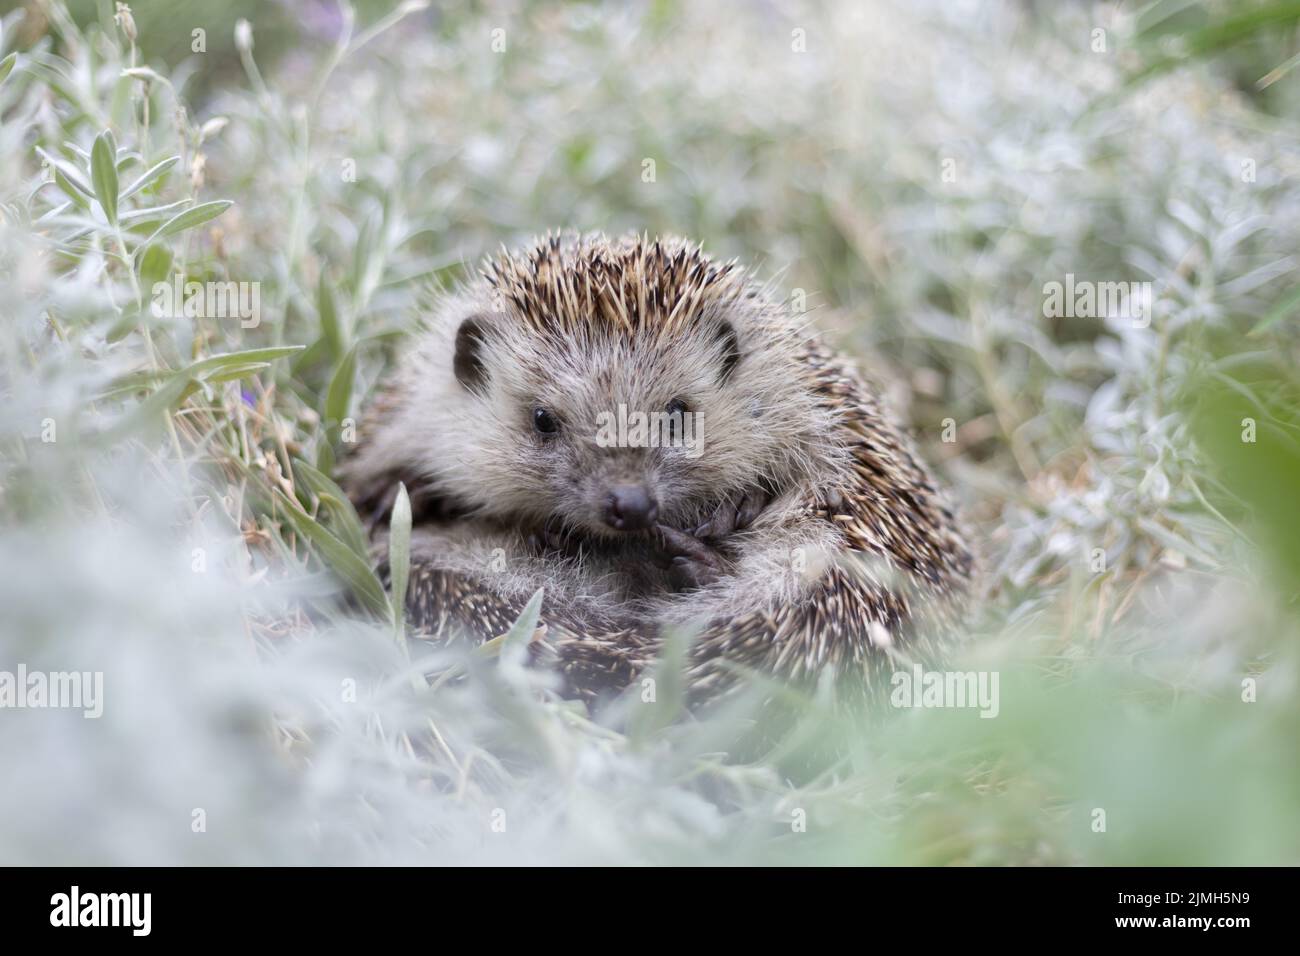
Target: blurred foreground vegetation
x=922, y=171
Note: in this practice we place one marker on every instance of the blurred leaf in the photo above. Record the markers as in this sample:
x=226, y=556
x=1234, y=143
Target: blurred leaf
x=103, y=172
x=70, y=172
x=270, y=354
x=70, y=189
x=155, y=265
x=1263, y=472
x=192, y=217
x=151, y=412
x=1230, y=29
x=521, y=631
x=348, y=525
x=1284, y=309
x=327, y=307
x=325, y=458
x=354, y=571
x=7, y=65
x=237, y=372
x=339, y=398
x=399, y=558
x=137, y=218
x=649, y=716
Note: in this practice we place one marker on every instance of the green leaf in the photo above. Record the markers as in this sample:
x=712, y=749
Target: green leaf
x=7, y=65
x=214, y=362
x=525, y=626
x=150, y=412
x=521, y=632
x=139, y=217
x=339, y=397
x=399, y=559
x=338, y=557
x=120, y=329
x=103, y=173
x=347, y=524
x=237, y=372
x=192, y=217
x=669, y=675
x=70, y=173
x=69, y=188
x=1290, y=304
x=1242, y=24
x=150, y=175
x=327, y=307
x=1262, y=471
x=310, y=356
x=155, y=264
x=325, y=458
x=134, y=381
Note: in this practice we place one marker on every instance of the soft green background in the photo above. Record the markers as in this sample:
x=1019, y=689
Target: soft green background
x=181, y=533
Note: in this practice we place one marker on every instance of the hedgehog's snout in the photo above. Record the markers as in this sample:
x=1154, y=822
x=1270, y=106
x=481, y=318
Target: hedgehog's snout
x=630, y=508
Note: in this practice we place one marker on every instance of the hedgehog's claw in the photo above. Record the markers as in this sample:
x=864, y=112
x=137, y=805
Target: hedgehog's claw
x=688, y=575
x=734, y=515
x=751, y=506
x=694, y=564
x=720, y=523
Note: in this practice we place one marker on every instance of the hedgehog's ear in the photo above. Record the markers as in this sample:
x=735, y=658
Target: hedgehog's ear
x=468, y=361
x=730, y=345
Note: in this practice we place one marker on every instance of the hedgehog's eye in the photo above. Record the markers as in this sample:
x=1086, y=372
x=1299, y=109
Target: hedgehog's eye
x=544, y=423
x=677, y=408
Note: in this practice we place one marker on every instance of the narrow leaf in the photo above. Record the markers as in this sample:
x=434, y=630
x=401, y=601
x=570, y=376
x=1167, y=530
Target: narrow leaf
x=103, y=173
x=192, y=217
x=138, y=217
x=347, y=523
x=338, y=557
x=339, y=397
x=269, y=354
x=327, y=308
x=69, y=187
x=150, y=412
x=70, y=172
x=237, y=372
x=399, y=559
x=525, y=626
x=150, y=175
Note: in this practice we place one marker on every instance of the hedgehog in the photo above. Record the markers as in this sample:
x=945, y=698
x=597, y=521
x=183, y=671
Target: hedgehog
x=659, y=444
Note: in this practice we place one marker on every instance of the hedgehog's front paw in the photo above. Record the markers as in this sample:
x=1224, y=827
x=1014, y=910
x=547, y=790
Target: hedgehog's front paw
x=733, y=515
x=692, y=564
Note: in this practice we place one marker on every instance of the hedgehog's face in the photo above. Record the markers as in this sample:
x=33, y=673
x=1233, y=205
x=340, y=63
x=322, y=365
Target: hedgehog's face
x=613, y=432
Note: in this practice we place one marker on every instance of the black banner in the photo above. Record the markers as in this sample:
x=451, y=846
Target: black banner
x=301, y=905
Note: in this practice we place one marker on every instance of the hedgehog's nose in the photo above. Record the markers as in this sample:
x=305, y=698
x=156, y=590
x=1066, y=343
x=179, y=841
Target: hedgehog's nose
x=630, y=508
